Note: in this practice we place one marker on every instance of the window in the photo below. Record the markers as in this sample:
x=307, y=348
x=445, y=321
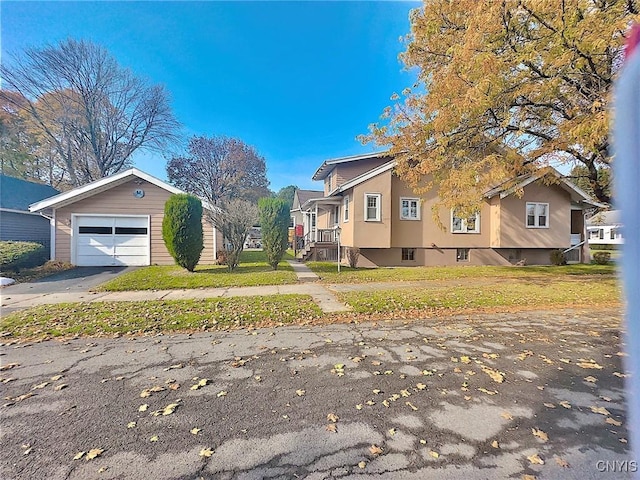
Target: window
x=372, y=207
x=409, y=208
x=601, y=234
x=408, y=254
x=465, y=225
x=614, y=233
x=96, y=230
x=345, y=208
x=335, y=215
x=131, y=230
x=537, y=215
x=462, y=254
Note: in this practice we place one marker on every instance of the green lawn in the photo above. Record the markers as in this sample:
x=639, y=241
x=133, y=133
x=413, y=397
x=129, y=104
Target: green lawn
x=252, y=271
x=518, y=293
x=327, y=271
x=107, y=318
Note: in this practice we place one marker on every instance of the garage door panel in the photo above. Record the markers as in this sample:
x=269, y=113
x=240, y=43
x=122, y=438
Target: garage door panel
x=126, y=244
x=95, y=221
x=130, y=222
x=135, y=241
x=95, y=240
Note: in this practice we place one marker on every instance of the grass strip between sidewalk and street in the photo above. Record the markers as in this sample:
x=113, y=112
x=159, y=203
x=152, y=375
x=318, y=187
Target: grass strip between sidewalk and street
x=108, y=318
x=327, y=271
x=542, y=294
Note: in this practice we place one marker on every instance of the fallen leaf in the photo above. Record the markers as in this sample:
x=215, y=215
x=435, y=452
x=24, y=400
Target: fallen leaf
x=370, y=402
x=540, y=434
x=93, y=453
x=154, y=438
x=535, y=459
x=590, y=365
x=590, y=379
x=421, y=386
x=495, y=444
x=143, y=408
x=222, y=393
x=332, y=417
x=40, y=386
x=562, y=462
x=174, y=386
x=495, y=375
x=465, y=359
x=172, y=367
x=206, y=452
x=619, y=375
x=359, y=406
x=392, y=431
x=613, y=422
x=332, y=427
x=375, y=450
x=506, y=416
x=565, y=404
x=55, y=378
x=8, y=366
x=622, y=440
x=529, y=477
x=423, y=441
x=549, y=405
x=411, y=406
x=434, y=454
x=62, y=386
x=131, y=425
x=200, y=384
x=79, y=455
x=195, y=430
x=362, y=464
x=488, y=392
x=600, y=410
x=300, y=393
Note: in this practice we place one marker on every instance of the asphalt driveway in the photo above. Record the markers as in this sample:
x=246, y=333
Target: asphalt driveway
x=483, y=397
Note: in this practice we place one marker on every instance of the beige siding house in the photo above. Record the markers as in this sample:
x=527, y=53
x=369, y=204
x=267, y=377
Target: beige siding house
x=375, y=211
x=116, y=221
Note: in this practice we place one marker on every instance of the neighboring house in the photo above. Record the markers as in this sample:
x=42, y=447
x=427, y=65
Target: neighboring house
x=116, y=220
x=379, y=214
x=17, y=223
x=605, y=228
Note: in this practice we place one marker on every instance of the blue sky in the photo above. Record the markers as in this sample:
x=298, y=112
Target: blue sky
x=297, y=80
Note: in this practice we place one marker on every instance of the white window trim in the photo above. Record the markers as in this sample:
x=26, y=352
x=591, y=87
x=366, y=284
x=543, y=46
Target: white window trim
x=526, y=215
x=345, y=209
x=378, y=207
x=410, y=199
x=464, y=224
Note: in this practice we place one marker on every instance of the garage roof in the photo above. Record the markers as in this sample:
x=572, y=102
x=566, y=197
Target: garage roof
x=98, y=186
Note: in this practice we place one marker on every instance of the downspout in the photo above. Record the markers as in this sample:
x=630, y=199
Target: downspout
x=52, y=234
x=215, y=244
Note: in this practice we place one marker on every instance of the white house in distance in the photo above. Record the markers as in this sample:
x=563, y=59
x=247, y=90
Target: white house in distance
x=605, y=228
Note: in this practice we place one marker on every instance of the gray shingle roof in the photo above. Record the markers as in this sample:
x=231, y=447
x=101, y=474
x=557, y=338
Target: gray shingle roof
x=611, y=217
x=18, y=194
x=305, y=195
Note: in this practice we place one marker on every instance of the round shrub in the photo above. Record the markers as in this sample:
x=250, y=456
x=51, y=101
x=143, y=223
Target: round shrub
x=557, y=257
x=602, y=258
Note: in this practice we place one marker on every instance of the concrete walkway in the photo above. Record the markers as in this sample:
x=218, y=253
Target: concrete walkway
x=325, y=299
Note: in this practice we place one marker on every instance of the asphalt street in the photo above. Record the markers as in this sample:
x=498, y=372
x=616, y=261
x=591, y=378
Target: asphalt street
x=488, y=397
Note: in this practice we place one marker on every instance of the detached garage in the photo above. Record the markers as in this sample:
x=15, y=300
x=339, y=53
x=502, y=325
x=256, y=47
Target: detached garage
x=116, y=221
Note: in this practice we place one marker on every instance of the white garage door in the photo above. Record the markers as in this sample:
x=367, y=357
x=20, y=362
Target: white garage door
x=107, y=241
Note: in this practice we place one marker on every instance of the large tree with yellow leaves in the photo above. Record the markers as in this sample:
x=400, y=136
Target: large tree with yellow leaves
x=504, y=86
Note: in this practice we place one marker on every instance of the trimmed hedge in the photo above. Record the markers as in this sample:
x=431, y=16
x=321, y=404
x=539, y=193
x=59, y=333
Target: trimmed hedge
x=17, y=255
x=182, y=229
